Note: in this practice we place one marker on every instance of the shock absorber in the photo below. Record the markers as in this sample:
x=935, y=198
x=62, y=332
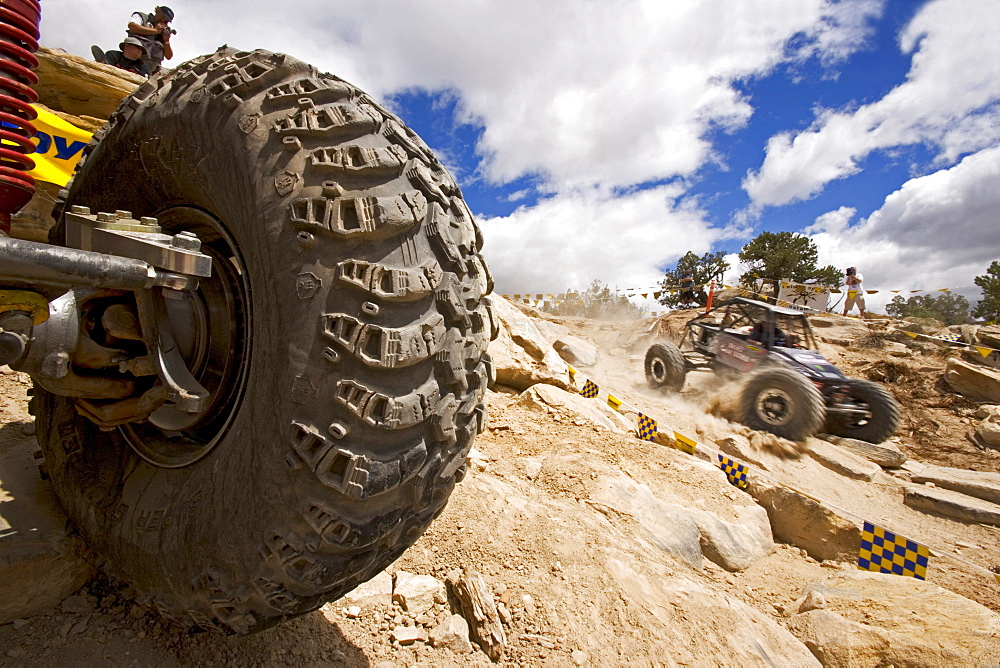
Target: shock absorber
x=19, y=20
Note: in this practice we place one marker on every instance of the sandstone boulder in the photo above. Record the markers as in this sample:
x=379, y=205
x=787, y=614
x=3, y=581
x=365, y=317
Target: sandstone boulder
x=733, y=542
x=377, y=592
x=976, y=356
x=668, y=526
x=989, y=432
x=551, y=330
x=798, y=520
x=41, y=561
x=417, y=593
x=921, y=325
x=452, y=633
x=884, y=454
x=521, y=355
x=842, y=461
x=576, y=351
x=989, y=335
x=80, y=86
x=874, y=619
x=976, y=382
x=952, y=504
x=543, y=397
x=734, y=545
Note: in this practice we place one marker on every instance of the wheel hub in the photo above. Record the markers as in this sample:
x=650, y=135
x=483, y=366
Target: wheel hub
x=210, y=328
x=774, y=406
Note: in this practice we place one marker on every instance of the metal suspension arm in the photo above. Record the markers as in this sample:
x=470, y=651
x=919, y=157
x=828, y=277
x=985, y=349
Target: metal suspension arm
x=28, y=263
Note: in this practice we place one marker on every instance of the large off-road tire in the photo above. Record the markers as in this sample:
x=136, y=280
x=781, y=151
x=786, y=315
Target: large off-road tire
x=782, y=402
x=344, y=338
x=665, y=367
x=882, y=422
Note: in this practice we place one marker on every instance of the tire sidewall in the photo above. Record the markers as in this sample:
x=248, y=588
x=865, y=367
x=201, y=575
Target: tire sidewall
x=805, y=405
x=230, y=542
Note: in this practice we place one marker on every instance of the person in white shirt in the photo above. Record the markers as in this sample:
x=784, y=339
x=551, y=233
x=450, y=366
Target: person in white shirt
x=855, y=291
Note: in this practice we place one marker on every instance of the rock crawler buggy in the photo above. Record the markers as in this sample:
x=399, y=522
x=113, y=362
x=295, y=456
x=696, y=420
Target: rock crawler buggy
x=791, y=390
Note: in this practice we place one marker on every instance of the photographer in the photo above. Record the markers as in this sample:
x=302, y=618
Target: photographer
x=154, y=31
x=855, y=291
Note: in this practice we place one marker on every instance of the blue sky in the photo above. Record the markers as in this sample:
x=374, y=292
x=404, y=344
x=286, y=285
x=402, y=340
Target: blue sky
x=603, y=140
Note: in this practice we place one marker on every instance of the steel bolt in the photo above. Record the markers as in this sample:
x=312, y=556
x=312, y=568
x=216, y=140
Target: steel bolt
x=146, y=220
x=81, y=210
x=104, y=217
x=123, y=214
x=186, y=241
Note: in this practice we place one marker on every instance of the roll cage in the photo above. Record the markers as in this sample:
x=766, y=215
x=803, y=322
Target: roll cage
x=750, y=319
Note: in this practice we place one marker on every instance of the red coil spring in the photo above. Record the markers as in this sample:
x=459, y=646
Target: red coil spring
x=19, y=34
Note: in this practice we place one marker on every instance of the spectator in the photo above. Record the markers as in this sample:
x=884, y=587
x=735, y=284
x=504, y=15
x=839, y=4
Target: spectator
x=855, y=291
x=687, y=287
x=129, y=58
x=154, y=31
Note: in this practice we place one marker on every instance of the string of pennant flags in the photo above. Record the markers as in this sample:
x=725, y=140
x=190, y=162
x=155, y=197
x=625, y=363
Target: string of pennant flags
x=880, y=550
x=659, y=290
x=538, y=299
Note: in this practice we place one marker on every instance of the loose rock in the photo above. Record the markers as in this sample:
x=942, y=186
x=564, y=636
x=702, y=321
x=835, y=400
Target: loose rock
x=452, y=633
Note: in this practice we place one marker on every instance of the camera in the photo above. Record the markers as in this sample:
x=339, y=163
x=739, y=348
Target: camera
x=851, y=271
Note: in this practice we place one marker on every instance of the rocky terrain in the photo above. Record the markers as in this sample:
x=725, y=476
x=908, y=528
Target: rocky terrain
x=572, y=542
x=588, y=546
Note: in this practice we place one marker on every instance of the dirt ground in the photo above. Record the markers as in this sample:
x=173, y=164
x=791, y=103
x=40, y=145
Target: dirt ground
x=544, y=559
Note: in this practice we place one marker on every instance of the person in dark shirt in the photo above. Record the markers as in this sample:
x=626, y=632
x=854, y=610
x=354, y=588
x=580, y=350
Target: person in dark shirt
x=154, y=31
x=130, y=57
x=687, y=288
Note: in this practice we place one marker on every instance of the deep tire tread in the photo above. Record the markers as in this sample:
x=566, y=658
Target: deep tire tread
x=665, y=367
x=365, y=461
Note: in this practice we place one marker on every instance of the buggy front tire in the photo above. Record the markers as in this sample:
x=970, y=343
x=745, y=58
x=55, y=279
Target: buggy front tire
x=783, y=402
x=665, y=367
x=343, y=337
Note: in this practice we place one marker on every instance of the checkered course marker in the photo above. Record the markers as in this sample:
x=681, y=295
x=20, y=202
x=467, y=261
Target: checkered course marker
x=949, y=337
x=885, y=552
x=590, y=389
x=685, y=444
x=736, y=472
x=647, y=428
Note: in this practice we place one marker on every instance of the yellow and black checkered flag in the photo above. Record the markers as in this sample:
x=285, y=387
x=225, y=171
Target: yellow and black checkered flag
x=885, y=552
x=647, y=428
x=685, y=444
x=736, y=472
x=614, y=402
x=590, y=389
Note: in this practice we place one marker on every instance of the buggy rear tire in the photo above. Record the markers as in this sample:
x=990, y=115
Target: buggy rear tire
x=882, y=421
x=665, y=367
x=353, y=382
x=784, y=403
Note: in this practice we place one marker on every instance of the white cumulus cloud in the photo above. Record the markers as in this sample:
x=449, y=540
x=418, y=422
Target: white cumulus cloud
x=579, y=93
x=936, y=231
x=568, y=240
x=950, y=101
